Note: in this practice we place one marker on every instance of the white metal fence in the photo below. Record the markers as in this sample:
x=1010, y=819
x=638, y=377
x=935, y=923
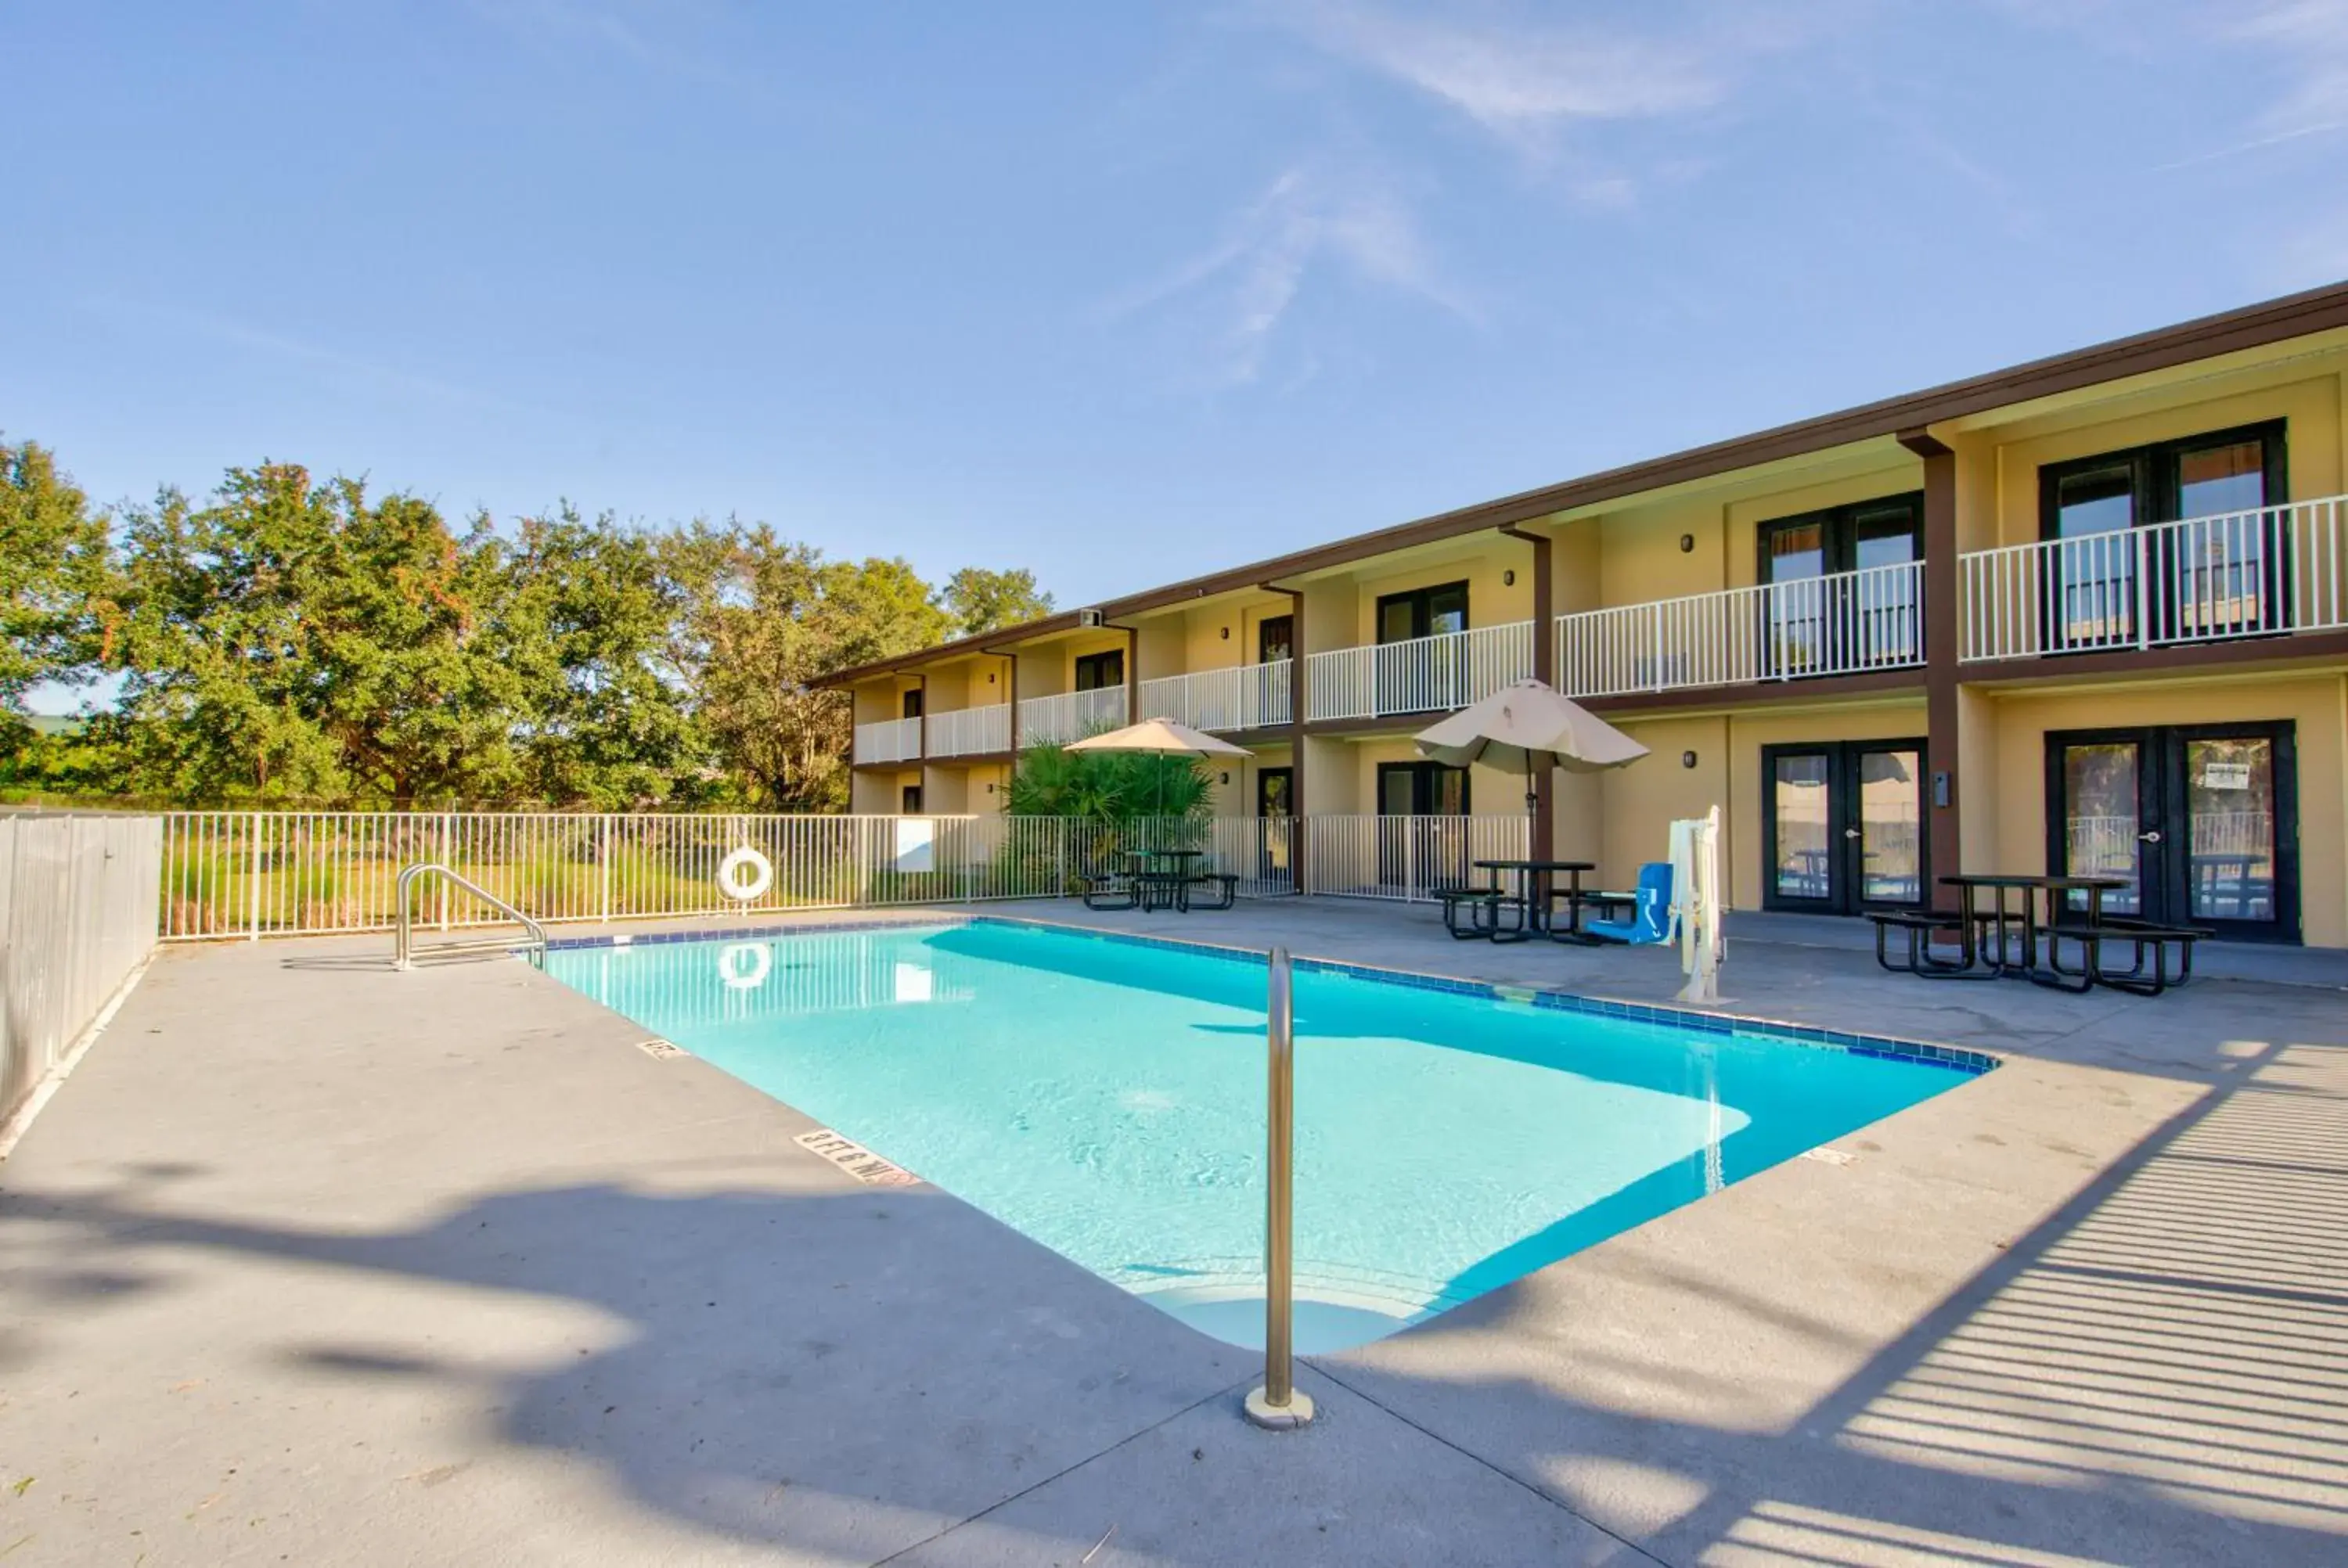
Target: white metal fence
x=971, y=732
x=1070, y=716
x=76, y=917
x=263, y=874
x=1422, y=675
x=1250, y=697
x=1840, y=624
x=890, y=741
x=2241, y=574
x=1406, y=858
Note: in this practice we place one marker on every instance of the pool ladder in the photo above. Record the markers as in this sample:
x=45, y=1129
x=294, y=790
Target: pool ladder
x=404, y=951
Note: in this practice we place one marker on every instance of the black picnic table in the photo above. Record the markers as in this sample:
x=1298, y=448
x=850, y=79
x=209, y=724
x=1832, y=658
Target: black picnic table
x=1160, y=887
x=1535, y=894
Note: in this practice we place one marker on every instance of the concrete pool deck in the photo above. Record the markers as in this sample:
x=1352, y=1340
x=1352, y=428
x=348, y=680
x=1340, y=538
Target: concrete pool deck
x=312, y=1262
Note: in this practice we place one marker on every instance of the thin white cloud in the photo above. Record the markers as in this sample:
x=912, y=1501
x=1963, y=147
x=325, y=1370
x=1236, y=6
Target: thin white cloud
x=2311, y=41
x=1229, y=301
x=350, y=371
x=1514, y=78
x=1528, y=77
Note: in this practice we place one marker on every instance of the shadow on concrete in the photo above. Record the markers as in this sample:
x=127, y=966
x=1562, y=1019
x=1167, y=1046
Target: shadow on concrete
x=2157, y=1374
x=820, y=1372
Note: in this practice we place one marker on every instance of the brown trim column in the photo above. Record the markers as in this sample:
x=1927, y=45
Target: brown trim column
x=1544, y=835
x=1296, y=856
x=922, y=678
x=1011, y=695
x=1132, y=673
x=1943, y=802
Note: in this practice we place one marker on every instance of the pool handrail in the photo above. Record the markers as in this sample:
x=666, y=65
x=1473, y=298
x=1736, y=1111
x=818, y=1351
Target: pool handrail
x=403, y=939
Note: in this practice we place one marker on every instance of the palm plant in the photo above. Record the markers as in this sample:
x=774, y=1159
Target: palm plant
x=1109, y=787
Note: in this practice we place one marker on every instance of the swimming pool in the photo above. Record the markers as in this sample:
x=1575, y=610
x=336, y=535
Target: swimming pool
x=1104, y=1096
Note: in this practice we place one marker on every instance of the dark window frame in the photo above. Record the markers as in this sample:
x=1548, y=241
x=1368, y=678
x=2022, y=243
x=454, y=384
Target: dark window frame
x=1845, y=881
x=2161, y=795
x=1096, y=661
x=1264, y=636
x=1839, y=531
x=1421, y=604
x=1426, y=787
x=2153, y=472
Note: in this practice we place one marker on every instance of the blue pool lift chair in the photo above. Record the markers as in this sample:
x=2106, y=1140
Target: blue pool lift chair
x=1650, y=920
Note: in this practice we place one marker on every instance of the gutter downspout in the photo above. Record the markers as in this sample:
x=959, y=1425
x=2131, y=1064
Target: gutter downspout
x=1544, y=835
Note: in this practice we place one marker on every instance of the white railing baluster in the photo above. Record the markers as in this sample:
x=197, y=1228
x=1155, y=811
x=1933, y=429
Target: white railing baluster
x=2266, y=571
x=1422, y=675
x=1841, y=624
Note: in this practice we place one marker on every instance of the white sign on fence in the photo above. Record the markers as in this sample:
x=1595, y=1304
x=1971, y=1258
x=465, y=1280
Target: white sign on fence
x=917, y=839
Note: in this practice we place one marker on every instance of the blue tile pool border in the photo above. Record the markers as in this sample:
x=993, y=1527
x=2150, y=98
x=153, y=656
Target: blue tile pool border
x=1956, y=1059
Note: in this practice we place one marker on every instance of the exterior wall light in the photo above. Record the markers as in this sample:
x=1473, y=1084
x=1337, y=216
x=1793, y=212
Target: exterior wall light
x=1509, y=577
x=1687, y=759
x=1227, y=634
x=1687, y=544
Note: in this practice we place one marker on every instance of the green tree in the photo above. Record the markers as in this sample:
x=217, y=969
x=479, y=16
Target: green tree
x=589, y=613
x=294, y=641
x=983, y=600
x=56, y=579
x=765, y=617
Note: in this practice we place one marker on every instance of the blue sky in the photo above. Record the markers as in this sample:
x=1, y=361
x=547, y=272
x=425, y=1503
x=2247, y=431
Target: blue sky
x=1119, y=291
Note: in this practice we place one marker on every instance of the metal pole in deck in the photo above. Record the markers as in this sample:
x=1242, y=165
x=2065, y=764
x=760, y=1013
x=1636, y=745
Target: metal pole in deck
x=1278, y=1406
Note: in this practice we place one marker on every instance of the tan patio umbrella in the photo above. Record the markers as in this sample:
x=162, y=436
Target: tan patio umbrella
x=1524, y=724
x=1160, y=735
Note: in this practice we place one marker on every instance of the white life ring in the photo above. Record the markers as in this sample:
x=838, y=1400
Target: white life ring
x=761, y=869
x=736, y=977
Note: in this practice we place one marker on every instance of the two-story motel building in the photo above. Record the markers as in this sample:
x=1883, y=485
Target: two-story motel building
x=2088, y=613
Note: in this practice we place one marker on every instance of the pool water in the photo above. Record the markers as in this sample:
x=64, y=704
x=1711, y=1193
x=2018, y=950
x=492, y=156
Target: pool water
x=1107, y=1098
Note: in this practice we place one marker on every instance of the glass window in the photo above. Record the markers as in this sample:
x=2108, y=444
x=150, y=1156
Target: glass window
x=2095, y=500
x=2200, y=476
x=1883, y=536
x=1797, y=550
x=2230, y=800
x=1422, y=612
x=1882, y=532
x=2229, y=477
x=2100, y=823
x=1799, y=801
x=1275, y=639
x=1096, y=671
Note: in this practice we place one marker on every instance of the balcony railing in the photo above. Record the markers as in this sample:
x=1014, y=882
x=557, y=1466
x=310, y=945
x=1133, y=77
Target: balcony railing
x=2273, y=570
x=1423, y=675
x=890, y=741
x=1250, y=697
x=971, y=732
x=1070, y=716
x=1844, y=623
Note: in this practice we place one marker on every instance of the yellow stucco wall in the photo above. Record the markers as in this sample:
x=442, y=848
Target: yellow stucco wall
x=1491, y=600
x=2315, y=706
x=1640, y=801
x=2310, y=406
